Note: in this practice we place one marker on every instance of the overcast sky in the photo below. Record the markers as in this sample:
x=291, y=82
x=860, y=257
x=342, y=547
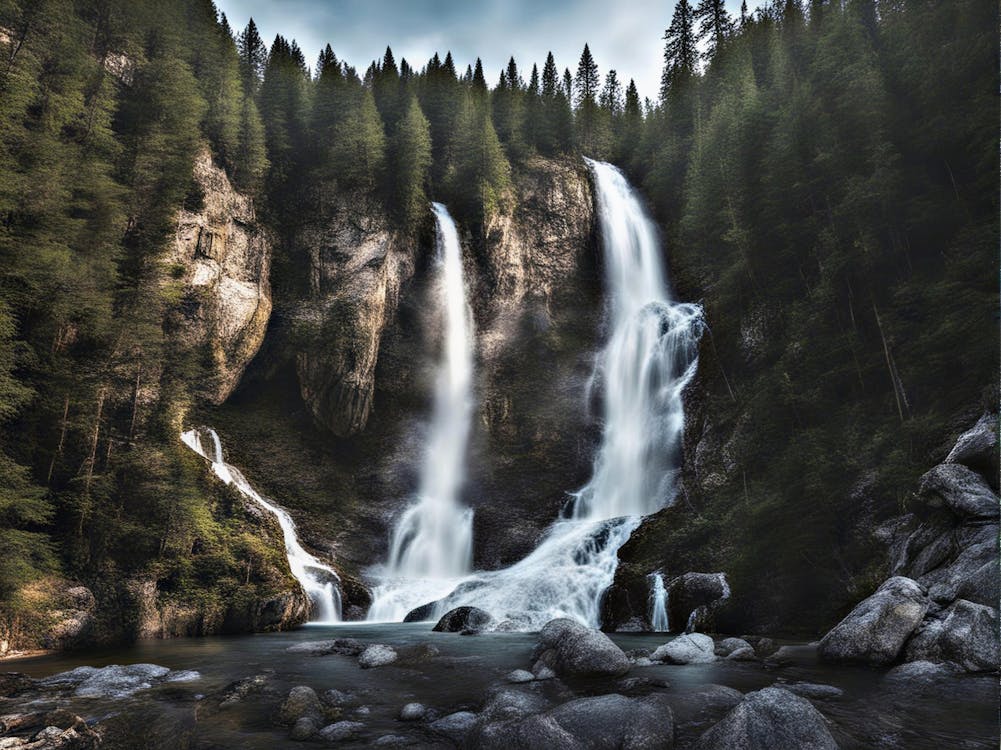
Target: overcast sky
x=626, y=36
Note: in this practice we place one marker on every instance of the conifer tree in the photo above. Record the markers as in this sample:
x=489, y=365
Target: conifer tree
x=715, y=25
x=253, y=57
x=587, y=81
x=412, y=161
x=680, y=52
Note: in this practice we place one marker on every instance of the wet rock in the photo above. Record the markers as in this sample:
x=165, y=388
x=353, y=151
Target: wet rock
x=698, y=708
x=728, y=645
x=920, y=672
x=115, y=681
x=784, y=655
x=977, y=448
x=303, y=729
x=691, y=648
x=301, y=702
x=419, y=653
x=764, y=646
x=519, y=675
x=615, y=721
x=346, y=646
x=542, y=672
x=770, y=719
x=965, y=634
x=413, y=712
x=691, y=592
x=742, y=654
x=508, y=704
x=876, y=630
x=422, y=613
x=454, y=726
x=960, y=490
x=971, y=571
x=335, y=697
x=341, y=730
x=572, y=649
x=377, y=655
x=812, y=690
x=392, y=740
x=464, y=620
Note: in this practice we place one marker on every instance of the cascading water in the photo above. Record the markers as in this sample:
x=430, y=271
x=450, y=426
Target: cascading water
x=659, y=621
x=317, y=579
x=650, y=357
x=432, y=543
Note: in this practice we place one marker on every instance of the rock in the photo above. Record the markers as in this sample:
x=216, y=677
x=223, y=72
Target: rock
x=12, y=683
x=115, y=681
x=615, y=721
x=302, y=701
x=977, y=448
x=790, y=654
x=303, y=729
x=464, y=619
x=699, y=707
x=728, y=645
x=920, y=672
x=691, y=648
x=960, y=490
x=377, y=655
x=346, y=646
x=422, y=613
x=340, y=730
x=572, y=649
x=519, y=675
x=337, y=698
x=419, y=653
x=876, y=630
x=392, y=740
x=542, y=671
x=454, y=726
x=812, y=690
x=742, y=654
x=508, y=703
x=972, y=573
x=412, y=712
x=765, y=647
x=770, y=719
x=965, y=634
x=694, y=591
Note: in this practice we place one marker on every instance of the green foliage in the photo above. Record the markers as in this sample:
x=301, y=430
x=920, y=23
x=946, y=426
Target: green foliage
x=479, y=179
x=412, y=160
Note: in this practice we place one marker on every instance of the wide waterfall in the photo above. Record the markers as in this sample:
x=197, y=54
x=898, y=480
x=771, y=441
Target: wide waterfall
x=431, y=544
x=317, y=579
x=650, y=357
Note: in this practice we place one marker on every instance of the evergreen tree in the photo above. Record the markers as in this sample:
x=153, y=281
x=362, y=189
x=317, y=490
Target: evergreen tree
x=412, y=157
x=587, y=81
x=680, y=53
x=715, y=25
x=480, y=176
x=253, y=57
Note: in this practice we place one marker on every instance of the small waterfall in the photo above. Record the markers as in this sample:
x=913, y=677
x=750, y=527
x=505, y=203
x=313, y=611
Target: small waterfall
x=318, y=580
x=650, y=357
x=432, y=543
x=659, y=620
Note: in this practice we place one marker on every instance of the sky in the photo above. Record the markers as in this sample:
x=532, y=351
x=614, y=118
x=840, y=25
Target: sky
x=626, y=36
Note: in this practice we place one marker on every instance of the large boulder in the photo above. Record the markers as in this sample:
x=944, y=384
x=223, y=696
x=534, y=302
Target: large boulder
x=770, y=719
x=961, y=491
x=971, y=572
x=691, y=648
x=302, y=702
x=572, y=649
x=965, y=634
x=464, y=620
x=692, y=593
x=977, y=448
x=876, y=630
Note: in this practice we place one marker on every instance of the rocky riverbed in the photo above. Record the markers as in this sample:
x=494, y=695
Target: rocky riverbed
x=565, y=687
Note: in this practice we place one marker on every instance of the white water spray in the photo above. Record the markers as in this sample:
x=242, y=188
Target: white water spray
x=317, y=579
x=649, y=359
x=659, y=620
x=432, y=543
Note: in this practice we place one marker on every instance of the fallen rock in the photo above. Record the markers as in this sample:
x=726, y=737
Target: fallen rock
x=377, y=655
x=572, y=649
x=728, y=645
x=770, y=719
x=965, y=634
x=876, y=630
x=977, y=448
x=302, y=702
x=340, y=730
x=413, y=712
x=961, y=491
x=691, y=648
x=615, y=721
x=972, y=573
x=464, y=620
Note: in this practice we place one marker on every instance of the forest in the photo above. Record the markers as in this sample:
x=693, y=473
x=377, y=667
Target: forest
x=789, y=157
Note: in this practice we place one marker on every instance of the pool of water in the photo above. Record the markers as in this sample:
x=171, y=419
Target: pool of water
x=873, y=711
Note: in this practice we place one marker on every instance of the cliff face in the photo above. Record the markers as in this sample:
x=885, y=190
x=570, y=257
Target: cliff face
x=222, y=259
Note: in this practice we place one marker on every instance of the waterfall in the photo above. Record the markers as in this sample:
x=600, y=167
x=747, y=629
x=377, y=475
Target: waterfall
x=659, y=621
x=317, y=579
x=432, y=542
x=650, y=357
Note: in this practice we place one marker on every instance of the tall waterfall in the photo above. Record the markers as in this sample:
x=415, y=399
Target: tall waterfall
x=432, y=543
x=317, y=579
x=659, y=621
x=650, y=356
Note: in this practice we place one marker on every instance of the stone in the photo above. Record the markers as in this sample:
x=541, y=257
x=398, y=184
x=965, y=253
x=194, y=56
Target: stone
x=961, y=491
x=572, y=649
x=454, y=726
x=303, y=729
x=742, y=654
x=977, y=448
x=340, y=730
x=336, y=697
x=115, y=681
x=423, y=613
x=920, y=672
x=464, y=619
x=412, y=712
x=615, y=721
x=972, y=573
x=965, y=634
x=346, y=646
x=876, y=630
x=519, y=675
x=377, y=655
x=770, y=719
x=301, y=702
x=691, y=648
x=812, y=690
x=728, y=645
x=542, y=671
x=693, y=592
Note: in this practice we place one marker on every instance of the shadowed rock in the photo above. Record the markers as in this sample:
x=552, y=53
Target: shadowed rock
x=770, y=719
x=572, y=649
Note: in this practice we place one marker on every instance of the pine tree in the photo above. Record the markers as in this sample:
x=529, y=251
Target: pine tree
x=611, y=95
x=680, y=53
x=715, y=25
x=587, y=81
x=412, y=160
x=480, y=176
x=253, y=57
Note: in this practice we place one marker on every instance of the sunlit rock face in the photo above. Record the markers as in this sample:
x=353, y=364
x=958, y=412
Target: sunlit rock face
x=219, y=264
